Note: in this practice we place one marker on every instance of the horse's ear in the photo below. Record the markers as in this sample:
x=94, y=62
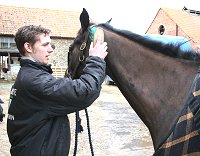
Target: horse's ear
x=109, y=21
x=84, y=19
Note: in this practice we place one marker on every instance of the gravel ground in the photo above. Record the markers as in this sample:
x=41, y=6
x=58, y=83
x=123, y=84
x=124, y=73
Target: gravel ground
x=115, y=128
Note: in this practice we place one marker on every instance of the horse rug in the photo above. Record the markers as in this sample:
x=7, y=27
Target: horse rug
x=184, y=140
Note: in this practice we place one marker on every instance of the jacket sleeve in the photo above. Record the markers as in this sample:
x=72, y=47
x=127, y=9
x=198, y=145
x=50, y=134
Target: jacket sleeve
x=66, y=95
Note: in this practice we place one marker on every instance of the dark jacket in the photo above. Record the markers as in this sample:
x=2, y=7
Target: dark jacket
x=37, y=122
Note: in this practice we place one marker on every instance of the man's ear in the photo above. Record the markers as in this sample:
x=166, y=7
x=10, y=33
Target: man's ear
x=28, y=47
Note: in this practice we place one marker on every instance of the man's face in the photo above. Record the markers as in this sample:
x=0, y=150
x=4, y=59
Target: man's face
x=41, y=49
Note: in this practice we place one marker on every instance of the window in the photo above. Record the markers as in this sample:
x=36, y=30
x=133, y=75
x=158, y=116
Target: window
x=4, y=45
x=161, y=29
x=7, y=43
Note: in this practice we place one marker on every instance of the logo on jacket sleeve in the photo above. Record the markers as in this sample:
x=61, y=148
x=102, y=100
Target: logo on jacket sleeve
x=13, y=93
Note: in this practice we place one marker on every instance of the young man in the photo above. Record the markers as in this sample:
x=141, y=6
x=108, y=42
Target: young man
x=37, y=122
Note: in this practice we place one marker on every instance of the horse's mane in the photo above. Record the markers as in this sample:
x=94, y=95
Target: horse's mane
x=167, y=49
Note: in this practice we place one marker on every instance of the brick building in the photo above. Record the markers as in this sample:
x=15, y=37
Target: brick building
x=185, y=23
x=63, y=24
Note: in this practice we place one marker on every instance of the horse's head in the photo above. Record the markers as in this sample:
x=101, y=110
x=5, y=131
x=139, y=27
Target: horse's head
x=78, y=50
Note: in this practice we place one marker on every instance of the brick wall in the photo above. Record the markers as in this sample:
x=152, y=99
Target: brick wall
x=162, y=19
x=170, y=27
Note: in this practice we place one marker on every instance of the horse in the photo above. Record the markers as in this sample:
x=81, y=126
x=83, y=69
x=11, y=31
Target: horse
x=156, y=79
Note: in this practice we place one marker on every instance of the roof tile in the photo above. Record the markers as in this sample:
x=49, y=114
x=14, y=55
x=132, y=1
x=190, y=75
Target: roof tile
x=61, y=23
x=189, y=23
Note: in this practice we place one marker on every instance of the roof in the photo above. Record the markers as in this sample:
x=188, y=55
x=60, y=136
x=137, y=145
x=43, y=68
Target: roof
x=61, y=23
x=189, y=23
x=180, y=41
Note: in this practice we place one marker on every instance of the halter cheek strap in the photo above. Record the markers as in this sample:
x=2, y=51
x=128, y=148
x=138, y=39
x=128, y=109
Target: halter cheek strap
x=91, y=34
x=83, y=49
x=81, y=54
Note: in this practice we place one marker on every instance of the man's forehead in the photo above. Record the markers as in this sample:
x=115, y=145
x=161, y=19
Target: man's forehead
x=44, y=38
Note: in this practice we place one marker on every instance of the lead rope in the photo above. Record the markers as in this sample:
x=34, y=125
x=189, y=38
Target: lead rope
x=79, y=129
x=89, y=133
x=76, y=133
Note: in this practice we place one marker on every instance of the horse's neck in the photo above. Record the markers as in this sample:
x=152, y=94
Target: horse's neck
x=155, y=86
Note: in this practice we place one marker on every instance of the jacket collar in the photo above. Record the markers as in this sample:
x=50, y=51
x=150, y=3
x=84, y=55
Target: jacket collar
x=29, y=62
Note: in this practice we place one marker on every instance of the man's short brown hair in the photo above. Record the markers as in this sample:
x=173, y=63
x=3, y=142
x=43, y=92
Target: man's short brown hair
x=29, y=34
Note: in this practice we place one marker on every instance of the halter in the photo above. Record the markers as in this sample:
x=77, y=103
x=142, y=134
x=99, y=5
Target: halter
x=82, y=50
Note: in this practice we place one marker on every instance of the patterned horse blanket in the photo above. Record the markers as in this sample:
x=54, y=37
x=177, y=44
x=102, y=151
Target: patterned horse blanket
x=184, y=140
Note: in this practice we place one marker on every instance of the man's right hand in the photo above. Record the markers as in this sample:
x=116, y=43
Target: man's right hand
x=98, y=49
